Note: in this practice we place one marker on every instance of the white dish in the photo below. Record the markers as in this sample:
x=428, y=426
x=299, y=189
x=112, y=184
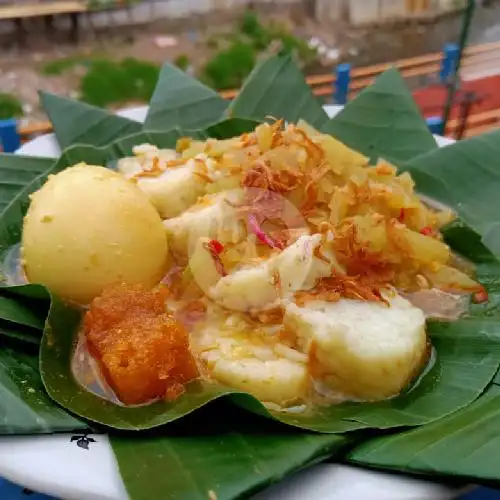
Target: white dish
x=54, y=465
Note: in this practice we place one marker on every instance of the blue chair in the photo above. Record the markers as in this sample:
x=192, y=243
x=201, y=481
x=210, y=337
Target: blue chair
x=10, y=140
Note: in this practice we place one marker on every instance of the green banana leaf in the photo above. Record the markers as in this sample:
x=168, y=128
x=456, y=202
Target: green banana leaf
x=277, y=88
x=465, y=176
x=25, y=408
x=20, y=333
x=468, y=244
x=219, y=450
x=464, y=444
x=76, y=122
x=182, y=101
x=22, y=312
x=229, y=127
x=17, y=172
x=383, y=121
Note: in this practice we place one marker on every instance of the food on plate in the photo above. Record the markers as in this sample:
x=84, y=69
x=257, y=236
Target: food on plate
x=88, y=227
x=294, y=270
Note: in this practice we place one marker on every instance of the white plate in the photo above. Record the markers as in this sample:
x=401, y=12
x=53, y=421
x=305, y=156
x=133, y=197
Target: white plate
x=56, y=466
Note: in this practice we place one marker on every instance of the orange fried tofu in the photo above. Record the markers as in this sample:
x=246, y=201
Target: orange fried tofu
x=143, y=352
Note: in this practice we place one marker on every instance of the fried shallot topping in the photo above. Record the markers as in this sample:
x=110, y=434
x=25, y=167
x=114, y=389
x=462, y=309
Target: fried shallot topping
x=334, y=288
x=156, y=169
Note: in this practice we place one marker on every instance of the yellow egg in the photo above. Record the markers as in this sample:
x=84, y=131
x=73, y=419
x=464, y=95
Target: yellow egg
x=89, y=227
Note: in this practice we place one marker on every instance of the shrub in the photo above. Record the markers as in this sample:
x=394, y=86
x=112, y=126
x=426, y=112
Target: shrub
x=251, y=26
x=182, y=62
x=109, y=82
x=291, y=43
x=142, y=77
x=229, y=68
x=10, y=106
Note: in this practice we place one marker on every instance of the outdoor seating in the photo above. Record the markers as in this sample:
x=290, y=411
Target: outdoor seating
x=19, y=12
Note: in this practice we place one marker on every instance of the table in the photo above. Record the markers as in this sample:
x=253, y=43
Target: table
x=47, y=10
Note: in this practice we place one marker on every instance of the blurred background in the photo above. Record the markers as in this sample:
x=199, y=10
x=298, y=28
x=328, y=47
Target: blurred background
x=108, y=52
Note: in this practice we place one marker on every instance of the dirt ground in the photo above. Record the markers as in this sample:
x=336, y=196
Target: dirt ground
x=20, y=67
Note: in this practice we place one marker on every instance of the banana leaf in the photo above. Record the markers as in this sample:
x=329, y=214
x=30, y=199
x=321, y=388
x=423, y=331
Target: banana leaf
x=25, y=408
x=76, y=122
x=463, y=444
x=381, y=113
x=182, y=101
x=277, y=88
x=22, y=312
x=229, y=128
x=465, y=176
x=208, y=450
x=17, y=172
x=20, y=333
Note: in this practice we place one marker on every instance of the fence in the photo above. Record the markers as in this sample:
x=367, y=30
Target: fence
x=344, y=83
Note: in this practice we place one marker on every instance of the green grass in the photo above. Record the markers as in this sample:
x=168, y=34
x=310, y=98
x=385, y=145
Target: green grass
x=10, y=106
x=109, y=82
x=60, y=66
x=229, y=68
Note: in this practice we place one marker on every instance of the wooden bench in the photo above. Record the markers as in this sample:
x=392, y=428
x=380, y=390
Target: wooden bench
x=23, y=11
x=19, y=12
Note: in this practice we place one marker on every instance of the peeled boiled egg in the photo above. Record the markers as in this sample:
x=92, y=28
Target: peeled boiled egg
x=88, y=227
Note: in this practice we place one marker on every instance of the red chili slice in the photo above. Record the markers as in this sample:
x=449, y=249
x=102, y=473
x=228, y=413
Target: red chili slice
x=215, y=246
x=480, y=297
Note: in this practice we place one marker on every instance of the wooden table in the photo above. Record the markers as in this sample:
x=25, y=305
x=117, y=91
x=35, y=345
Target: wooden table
x=47, y=10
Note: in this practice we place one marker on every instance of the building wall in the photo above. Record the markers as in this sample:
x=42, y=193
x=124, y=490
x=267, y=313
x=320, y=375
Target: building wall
x=371, y=11
x=149, y=10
